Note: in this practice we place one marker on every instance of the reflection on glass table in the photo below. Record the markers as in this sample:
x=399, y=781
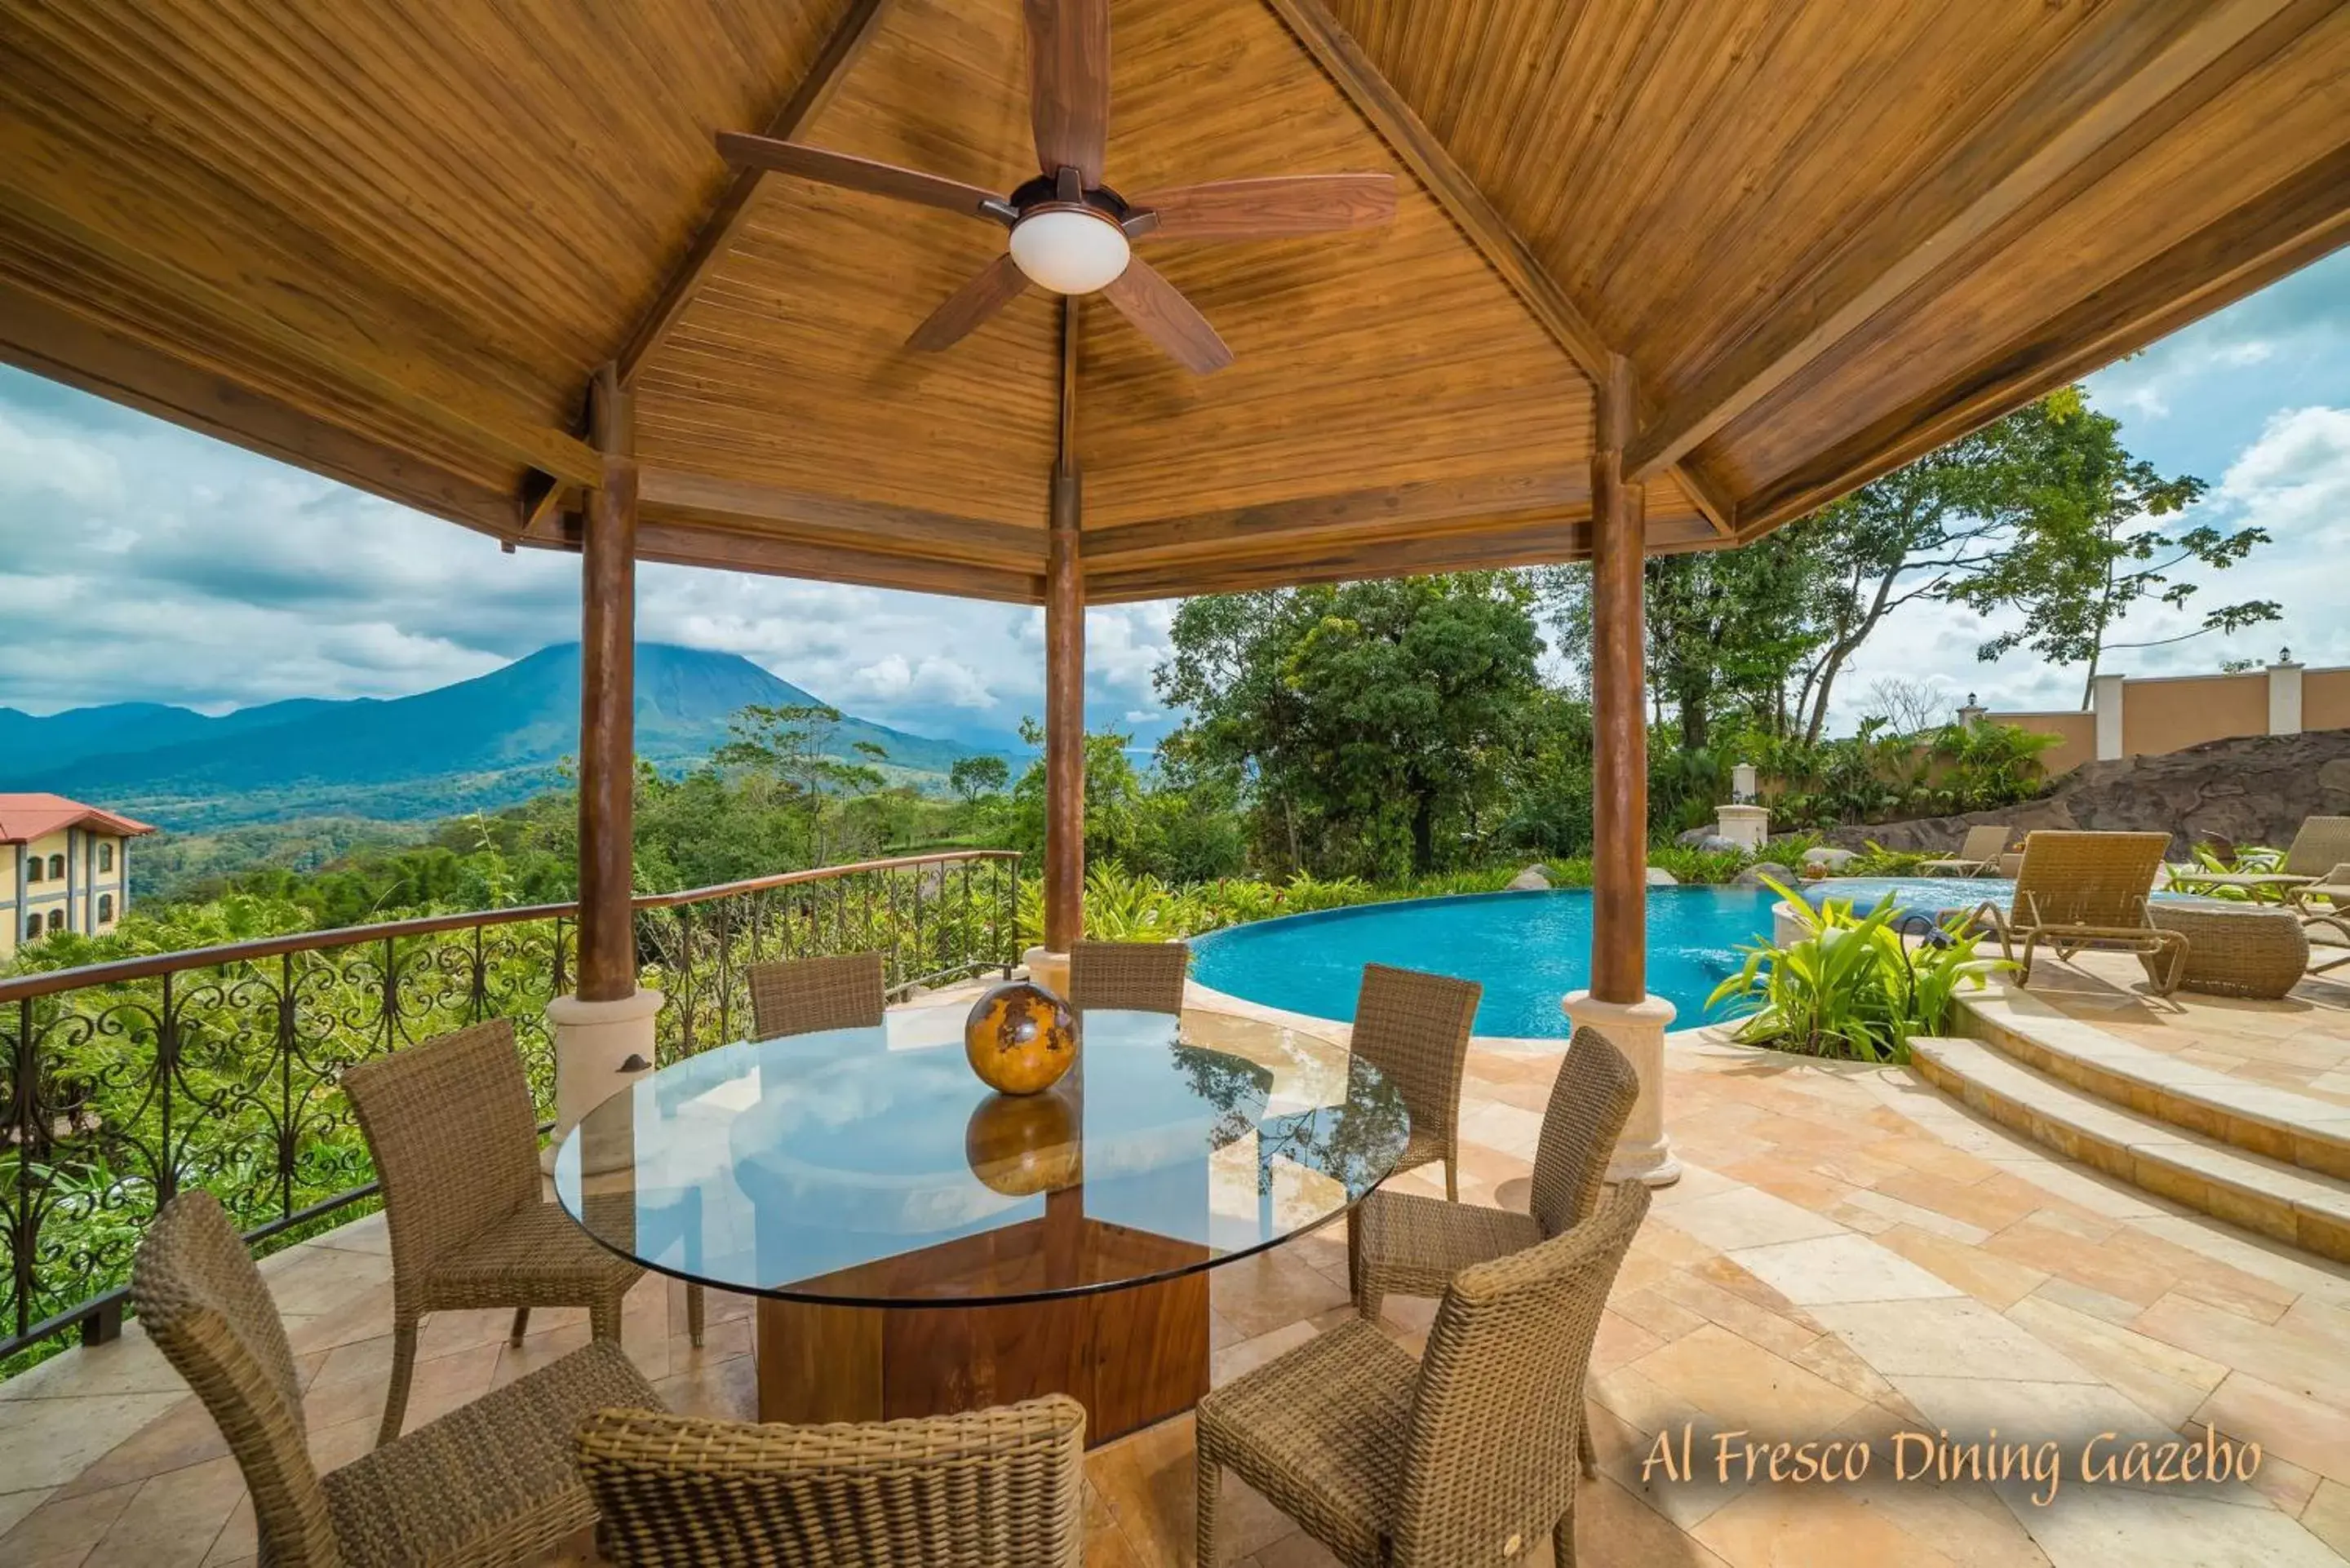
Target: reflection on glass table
x=924, y=1243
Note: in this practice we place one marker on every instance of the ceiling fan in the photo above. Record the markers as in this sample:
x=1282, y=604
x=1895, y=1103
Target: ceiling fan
x=1067, y=231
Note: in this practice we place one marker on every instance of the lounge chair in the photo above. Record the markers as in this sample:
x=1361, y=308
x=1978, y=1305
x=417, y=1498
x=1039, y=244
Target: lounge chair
x=1978, y=857
x=2323, y=842
x=2088, y=891
x=2334, y=888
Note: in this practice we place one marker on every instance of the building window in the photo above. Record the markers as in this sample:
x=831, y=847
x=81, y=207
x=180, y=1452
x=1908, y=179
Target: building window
x=105, y=908
x=32, y=927
x=106, y=856
x=56, y=920
x=33, y=869
x=56, y=867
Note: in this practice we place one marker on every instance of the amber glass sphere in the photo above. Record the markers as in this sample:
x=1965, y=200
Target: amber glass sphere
x=1021, y=1144
x=1020, y=1038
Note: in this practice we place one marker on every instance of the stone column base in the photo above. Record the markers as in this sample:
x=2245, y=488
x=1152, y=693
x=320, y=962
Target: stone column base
x=592, y=1042
x=1642, y=1153
x=1049, y=969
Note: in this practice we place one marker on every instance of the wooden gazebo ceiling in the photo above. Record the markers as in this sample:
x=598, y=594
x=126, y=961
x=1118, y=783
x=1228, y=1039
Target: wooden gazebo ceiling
x=389, y=241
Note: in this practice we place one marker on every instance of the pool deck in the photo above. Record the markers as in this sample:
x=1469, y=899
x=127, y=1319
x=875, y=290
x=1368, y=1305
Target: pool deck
x=1849, y=1253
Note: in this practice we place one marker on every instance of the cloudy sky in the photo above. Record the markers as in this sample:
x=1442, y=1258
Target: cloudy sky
x=141, y=562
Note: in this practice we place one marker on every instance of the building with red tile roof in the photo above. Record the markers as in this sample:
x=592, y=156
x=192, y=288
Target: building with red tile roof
x=64, y=866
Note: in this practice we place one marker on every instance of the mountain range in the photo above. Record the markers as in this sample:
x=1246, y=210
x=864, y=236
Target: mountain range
x=475, y=746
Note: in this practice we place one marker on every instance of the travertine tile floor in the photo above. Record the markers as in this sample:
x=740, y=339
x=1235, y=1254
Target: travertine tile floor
x=2301, y=1043
x=1848, y=1255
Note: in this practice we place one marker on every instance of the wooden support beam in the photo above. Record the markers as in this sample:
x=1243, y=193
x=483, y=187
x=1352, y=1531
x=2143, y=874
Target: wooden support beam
x=2228, y=38
x=1390, y=511
x=1376, y=98
x=1065, y=673
x=1620, y=710
x=855, y=29
x=2277, y=231
x=689, y=541
x=49, y=339
x=866, y=525
x=607, y=630
x=310, y=331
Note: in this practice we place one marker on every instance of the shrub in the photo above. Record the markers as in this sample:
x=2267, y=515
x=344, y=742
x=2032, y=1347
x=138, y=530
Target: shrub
x=1850, y=988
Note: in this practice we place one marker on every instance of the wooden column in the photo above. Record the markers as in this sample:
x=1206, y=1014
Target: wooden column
x=1065, y=673
x=607, y=701
x=1620, y=782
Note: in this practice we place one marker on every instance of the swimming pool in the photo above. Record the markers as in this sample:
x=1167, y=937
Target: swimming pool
x=1528, y=948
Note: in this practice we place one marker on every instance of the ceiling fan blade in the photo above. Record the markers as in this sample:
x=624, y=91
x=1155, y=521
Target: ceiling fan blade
x=1273, y=208
x=1068, y=84
x=998, y=285
x=1162, y=315
x=827, y=168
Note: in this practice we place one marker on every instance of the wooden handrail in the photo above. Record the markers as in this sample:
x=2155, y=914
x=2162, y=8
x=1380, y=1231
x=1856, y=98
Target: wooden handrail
x=21, y=986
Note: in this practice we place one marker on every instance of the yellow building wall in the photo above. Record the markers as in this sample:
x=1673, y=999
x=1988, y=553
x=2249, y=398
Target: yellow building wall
x=85, y=882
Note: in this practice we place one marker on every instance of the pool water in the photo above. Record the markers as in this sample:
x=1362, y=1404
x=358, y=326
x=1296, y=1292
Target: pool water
x=1529, y=949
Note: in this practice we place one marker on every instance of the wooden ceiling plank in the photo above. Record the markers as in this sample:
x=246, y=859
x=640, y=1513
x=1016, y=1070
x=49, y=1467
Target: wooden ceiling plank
x=2279, y=232
x=1872, y=277
x=712, y=241
x=417, y=389
x=1393, y=118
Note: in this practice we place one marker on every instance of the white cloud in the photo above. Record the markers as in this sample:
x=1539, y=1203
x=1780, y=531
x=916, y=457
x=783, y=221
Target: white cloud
x=191, y=572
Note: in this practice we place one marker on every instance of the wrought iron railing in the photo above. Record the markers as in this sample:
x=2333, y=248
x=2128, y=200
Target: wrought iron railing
x=123, y=1083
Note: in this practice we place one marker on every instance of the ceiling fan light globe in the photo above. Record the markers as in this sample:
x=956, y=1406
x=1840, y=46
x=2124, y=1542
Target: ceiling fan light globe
x=1069, y=250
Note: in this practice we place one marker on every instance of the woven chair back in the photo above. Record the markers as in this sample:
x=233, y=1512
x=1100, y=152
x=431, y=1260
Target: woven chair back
x=1414, y=1028
x=204, y=1304
x=1984, y=844
x=455, y=1141
x=1490, y=1454
x=998, y=1488
x=2073, y=879
x=1137, y=976
x=2322, y=842
x=801, y=996
x=1590, y=1101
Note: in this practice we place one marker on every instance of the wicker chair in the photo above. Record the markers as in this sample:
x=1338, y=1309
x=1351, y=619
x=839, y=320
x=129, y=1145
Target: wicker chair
x=1414, y=1028
x=2323, y=842
x=1977, y=857
x=2088, y=891
x=1463, y=1458
x=800, y=996
x=1414, y=1246
x=990, y=1488
x=1138, y=977
x=492, y=1482
x=455, y=1143
x=2334, y=888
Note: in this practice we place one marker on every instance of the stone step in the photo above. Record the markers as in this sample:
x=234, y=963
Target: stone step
x=2279, y=1123
x=2284, y=1201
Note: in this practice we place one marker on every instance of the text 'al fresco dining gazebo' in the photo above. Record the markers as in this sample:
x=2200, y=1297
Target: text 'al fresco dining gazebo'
x=1659, y=276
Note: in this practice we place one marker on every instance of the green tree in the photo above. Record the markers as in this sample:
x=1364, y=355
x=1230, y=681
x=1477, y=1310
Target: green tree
x=794, y=743
x=1375, y=723
x=2093, y=543
x=972, y=777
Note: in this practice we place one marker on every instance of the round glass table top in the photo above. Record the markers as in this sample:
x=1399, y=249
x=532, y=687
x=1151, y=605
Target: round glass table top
x=870, y=1166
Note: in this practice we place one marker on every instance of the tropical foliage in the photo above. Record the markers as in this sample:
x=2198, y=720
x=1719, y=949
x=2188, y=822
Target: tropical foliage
x=1850, y=986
